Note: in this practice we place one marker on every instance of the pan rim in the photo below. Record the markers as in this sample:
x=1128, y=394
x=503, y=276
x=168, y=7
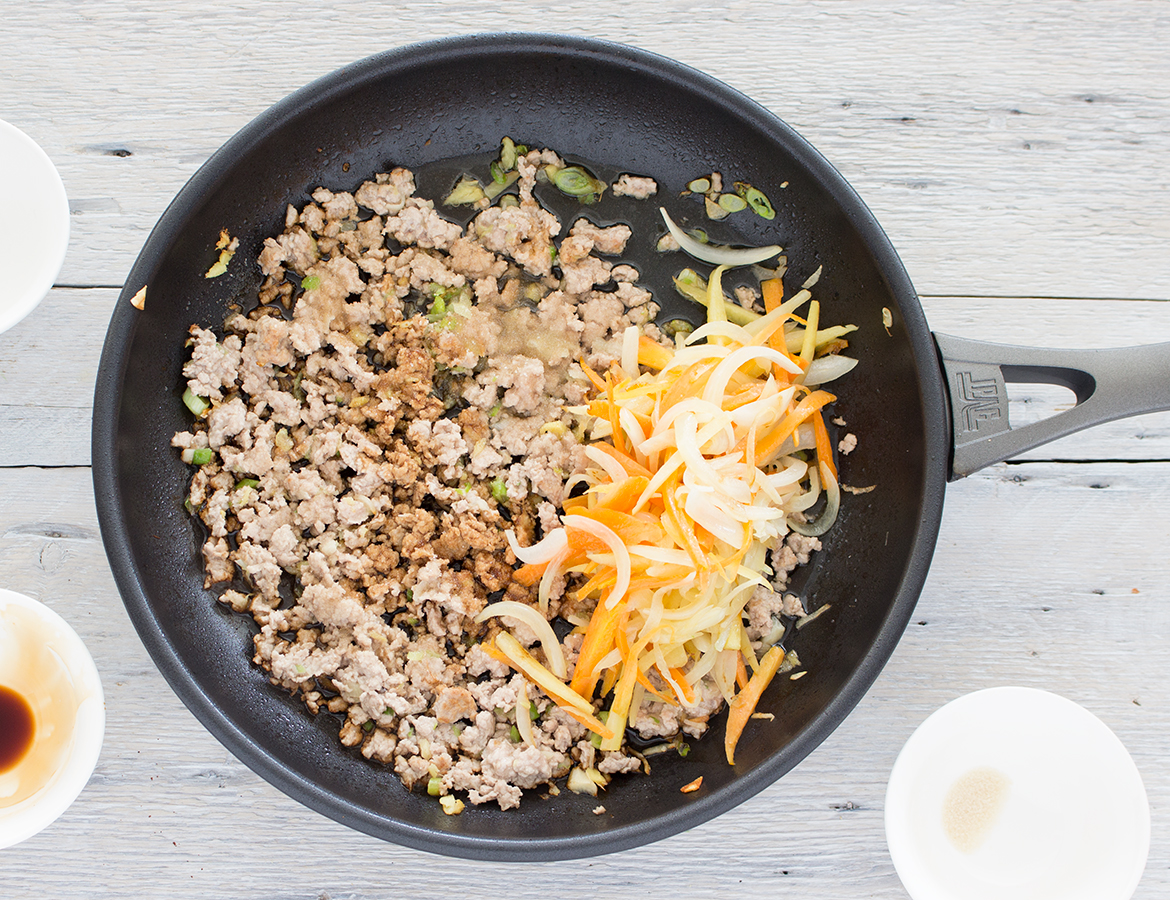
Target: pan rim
x=116, y=530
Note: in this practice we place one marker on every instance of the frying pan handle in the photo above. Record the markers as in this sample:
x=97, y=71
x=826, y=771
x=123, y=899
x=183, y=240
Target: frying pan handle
x=1109, y=384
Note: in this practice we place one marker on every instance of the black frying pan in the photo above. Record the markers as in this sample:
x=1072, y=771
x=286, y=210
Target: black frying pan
x=620, y=110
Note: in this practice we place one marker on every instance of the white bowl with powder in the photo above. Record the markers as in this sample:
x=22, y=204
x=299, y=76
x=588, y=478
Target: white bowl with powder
x=51, y=685
x=1018, y=794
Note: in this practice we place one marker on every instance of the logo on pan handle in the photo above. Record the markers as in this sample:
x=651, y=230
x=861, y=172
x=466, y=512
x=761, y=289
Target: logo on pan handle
x=980, y=401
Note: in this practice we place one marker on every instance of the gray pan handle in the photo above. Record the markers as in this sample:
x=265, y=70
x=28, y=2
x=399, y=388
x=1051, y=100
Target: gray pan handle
x=1109, y=384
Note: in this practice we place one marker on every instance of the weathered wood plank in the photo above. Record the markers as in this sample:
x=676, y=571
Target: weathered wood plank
x=1000, y=144
x=1026, y=588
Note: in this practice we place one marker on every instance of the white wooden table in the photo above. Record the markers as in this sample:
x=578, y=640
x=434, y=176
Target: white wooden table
x=1018, y=155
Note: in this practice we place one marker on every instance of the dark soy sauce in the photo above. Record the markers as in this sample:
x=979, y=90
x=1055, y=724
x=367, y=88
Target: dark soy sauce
x=17, y=728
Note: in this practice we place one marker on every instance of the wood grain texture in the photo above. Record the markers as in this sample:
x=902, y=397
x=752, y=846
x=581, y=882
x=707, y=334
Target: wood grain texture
x=1015, y=152
x=1007, y=148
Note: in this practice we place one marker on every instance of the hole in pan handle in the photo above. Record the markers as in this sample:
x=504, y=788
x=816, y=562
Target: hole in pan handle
x=1109, y=384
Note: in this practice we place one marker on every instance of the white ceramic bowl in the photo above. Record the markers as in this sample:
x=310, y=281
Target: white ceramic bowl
x=43, y=660
x=34, y=230
x=1018, y=794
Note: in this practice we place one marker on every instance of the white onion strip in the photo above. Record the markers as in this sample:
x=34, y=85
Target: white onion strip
x=540, y=627
x=542, y=551
x=621, y=556
x=715, y=254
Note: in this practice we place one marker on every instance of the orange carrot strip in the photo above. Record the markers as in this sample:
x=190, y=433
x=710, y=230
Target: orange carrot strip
x=684, y=684
x=625, y=494
x=592, y=376
x=529, y=573
x=522, y=661
x=599, y=640
x=767, y=447
x=773, y=290
x=694, y=551
x=618, y=437
x=653, y=354
x=631, y=529
x=741, y=675
x=824, y=446
x=599, y=582
x=631, y=465
x=589, y=722
x=744, y=703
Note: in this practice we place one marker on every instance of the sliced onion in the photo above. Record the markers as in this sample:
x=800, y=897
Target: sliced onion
x=552, y=572
x=541, y=552
x=540, y=627
x=621, y=556
x=717, y=383
x=630, y=350
x=829, y=514
x=715, y=254
x=826, y=368
x=611, y=466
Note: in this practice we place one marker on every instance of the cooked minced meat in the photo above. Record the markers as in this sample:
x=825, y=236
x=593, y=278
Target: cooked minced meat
x=402, y=397
x=373, y=441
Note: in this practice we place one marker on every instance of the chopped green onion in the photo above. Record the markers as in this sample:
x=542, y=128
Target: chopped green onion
x=514, y=734
x=732, y=202
x=310, y=282
x=755, y=198
x=497, y=171
x=467, y=191
x=699, y=185
x=198, y=405
x=368, y=726
x=201, y=456
x=499, y=489
x=438, y=309
x=435, y=787
x=576, y=182
x=495, y=188
x=508, y=154
x=253, y=483
x=509, y=201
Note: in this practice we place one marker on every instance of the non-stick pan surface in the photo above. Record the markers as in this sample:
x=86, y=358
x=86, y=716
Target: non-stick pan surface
x=621, y=110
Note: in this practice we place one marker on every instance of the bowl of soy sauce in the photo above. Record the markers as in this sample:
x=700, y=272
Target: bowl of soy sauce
x=52, y=717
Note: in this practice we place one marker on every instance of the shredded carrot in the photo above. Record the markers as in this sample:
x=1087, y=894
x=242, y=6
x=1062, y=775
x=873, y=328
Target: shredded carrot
x=631, y=465
x=745, y=701
x=824, y=446
x=741, y=675
x=679, y=529
x=773, y=291
x=653, y=354
x=593, y=376
x=770, y=444
x=529, y=574
x=625, y=494
x=599, y=640
x=618, y=437
x=684, y=684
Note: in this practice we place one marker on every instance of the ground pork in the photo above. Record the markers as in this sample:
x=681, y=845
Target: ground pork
x=393, y=407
